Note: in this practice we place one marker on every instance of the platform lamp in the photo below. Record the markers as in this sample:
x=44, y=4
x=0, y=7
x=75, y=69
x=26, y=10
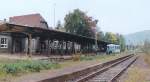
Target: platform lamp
x=96, y=32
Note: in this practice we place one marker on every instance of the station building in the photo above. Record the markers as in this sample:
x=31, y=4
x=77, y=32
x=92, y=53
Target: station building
x=30, y=34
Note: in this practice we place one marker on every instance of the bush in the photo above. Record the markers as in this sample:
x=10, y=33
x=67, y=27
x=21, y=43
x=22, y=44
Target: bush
x=10, y=68
x=27, y=66
x=76, y=57
x=32, y=67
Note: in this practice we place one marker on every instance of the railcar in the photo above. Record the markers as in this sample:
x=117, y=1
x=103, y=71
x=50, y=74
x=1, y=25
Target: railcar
x=113, y=48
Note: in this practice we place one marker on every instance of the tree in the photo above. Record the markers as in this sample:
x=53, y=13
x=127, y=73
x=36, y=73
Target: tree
x=79, y=23
x=110, y=37
x=122, y=42
x=100, y=36
x=118, y=38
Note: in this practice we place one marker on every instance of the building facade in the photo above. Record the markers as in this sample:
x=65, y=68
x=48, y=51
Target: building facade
x=30, y=34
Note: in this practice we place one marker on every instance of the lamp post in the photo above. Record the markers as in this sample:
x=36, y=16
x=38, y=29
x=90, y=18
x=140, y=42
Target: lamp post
x=54, y=13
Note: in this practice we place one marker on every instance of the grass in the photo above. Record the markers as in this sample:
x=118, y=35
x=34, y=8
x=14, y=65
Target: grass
x=89, y=59
x=139, y=73
x=136, y=74
x=147, y=59
x=6, y=60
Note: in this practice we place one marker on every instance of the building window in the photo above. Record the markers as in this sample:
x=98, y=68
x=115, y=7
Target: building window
x=3, y=43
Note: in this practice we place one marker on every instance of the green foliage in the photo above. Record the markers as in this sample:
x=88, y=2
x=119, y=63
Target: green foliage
x=79, y=23
x=122, y=42
x=110, y=37
x=26, y=66
x=11, y=68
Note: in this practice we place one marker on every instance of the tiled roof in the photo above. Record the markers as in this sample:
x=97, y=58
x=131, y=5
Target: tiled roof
x=33, y=20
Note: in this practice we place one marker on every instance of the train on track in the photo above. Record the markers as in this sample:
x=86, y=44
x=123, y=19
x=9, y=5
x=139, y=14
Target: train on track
x=113, y=48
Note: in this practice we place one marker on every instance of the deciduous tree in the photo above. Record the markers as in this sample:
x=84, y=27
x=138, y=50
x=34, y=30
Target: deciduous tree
x=79, y=23
x=110, y=37
x=122, y=42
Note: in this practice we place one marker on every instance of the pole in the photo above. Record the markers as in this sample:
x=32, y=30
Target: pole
x=54, y=14
x=29, y=45
x=96, y=45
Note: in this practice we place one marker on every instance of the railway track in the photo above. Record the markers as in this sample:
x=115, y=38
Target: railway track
x=113, y=72
x=106, y=72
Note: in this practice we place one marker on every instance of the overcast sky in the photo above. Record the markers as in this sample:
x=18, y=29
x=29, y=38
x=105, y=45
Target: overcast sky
x=119, y=16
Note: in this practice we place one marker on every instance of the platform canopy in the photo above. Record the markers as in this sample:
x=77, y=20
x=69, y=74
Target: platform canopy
x=45, y=33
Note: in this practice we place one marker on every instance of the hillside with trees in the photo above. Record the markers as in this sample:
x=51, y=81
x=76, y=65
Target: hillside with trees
x=137, y=38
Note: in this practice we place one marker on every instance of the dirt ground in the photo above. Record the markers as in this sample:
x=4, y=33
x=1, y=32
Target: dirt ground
x=138, y=72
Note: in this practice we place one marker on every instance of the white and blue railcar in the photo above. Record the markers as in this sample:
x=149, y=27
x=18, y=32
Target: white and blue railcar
x=113, y=48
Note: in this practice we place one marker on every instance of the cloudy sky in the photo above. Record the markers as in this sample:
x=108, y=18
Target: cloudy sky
x=119, y=16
